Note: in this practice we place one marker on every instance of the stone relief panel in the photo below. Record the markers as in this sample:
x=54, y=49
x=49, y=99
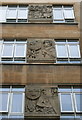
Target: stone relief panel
x=40, y=12
x=42, y=50
x=41, y=101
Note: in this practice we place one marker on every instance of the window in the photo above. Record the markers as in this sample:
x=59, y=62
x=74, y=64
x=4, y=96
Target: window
x=20, y=49
x=3, y=10
x=22, y=14
x=78, y=99
x=12, y=101
x=13, y=51
x=63, y=14
x=7, y=50
x=4, y=99
x=0, y=49
x=67, y=51
x=14, y=13
x=70, y=100
x=66, y=102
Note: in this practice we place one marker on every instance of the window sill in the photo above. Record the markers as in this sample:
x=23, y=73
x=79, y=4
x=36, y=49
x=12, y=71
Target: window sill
x=58, y=23
x=78, y=64
x=66, y=23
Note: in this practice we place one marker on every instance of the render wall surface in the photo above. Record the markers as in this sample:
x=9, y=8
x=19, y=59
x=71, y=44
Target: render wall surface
x=39, y=1
x=28, y=74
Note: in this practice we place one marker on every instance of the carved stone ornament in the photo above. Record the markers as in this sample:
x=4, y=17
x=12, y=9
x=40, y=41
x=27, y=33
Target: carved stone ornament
x=40, y=13
x=40, y=50
x=41, y=101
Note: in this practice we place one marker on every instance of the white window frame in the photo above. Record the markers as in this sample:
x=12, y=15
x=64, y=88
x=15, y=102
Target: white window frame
x=2, y=9
x=63, y=12
x=61, y=103
x=69, y=8
x=67, y=44
x=17, y=10
x=57, y=50
x=13, y=58
x=54, y=19
x=20, y=43
x=73, y=92
x=2, y=56
x=10, y=92
x=22, y=8
x=17, y=113
x=7, y=102
x=1, y=44
x=11, y=8
x=10, y=18
x=70, y=52
x=76, y=102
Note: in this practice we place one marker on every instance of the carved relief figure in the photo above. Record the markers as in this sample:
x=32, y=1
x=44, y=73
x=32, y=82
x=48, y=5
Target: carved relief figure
x=38, y=101
x=41, y=50
x=38, y=12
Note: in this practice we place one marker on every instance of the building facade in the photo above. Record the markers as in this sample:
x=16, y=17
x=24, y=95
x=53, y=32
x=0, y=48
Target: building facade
x=40, y=59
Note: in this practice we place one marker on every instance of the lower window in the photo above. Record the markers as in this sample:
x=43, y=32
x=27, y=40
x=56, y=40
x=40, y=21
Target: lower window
x=12, y=102
x=70, y=101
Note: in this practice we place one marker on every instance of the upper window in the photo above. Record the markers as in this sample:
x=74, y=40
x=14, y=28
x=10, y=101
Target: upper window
x=3, y=10
x=14, y=13
x=13, y=51
x=12, y=101
x=63, y=14
x=67, y=51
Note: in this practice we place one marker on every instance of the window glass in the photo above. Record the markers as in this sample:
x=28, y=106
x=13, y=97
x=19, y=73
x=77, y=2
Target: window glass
x=4, y=89
x=67, y=117
x=68, y=13
x=18, y=117
x=0, y=48
x=73, y=42
x=22, y=13
x=58, y=14
x=61, y=51
x=18, y=89
x=64, y=89
x=74, y=51
x=63, y=14
x=17, y=103
x=4, y=116
x=60, y=41
x=11, y=13
x=3, y=102
x=77, y=89
x=3, y=13
x=20, y=50
x=16, y=13
x=62, y=61
x=67, y=51
x=75, y=61
x=7, y=50
x=66, y=102
x=78, y=102
x=12, y=101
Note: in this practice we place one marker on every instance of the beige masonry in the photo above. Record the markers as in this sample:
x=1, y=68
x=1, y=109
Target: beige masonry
x=24, y=74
